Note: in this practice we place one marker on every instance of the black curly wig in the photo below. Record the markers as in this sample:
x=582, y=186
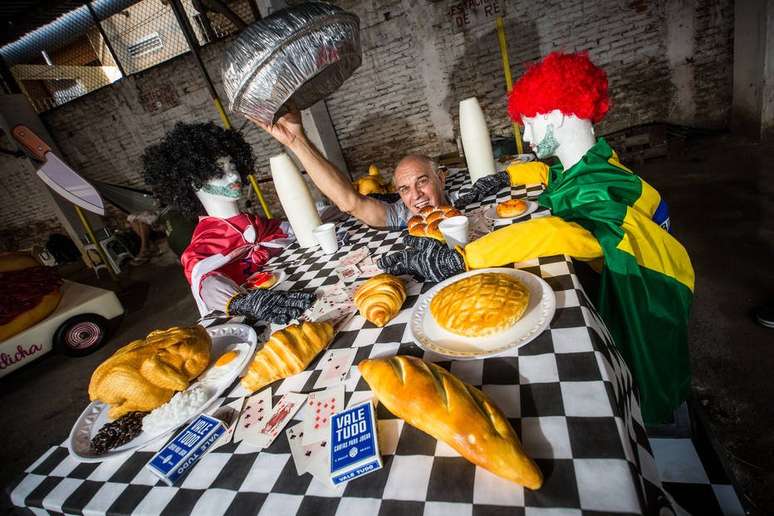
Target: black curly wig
x=187, y=158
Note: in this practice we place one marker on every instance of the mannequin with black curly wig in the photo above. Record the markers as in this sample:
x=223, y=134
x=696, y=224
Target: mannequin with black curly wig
x=199, y=168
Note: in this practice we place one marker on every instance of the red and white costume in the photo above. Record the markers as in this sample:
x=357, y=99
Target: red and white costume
x=223, y=253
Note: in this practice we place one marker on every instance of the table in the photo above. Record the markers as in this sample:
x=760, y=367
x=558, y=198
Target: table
x=568, y=394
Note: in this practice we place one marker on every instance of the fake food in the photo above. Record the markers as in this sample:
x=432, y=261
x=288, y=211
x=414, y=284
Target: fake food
x=380, y=298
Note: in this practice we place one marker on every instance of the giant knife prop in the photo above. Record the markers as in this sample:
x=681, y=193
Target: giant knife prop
x=66, y=182
x=56, y=174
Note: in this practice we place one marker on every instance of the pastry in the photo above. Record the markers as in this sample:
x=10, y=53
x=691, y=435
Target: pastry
x=480, y=305
x=511, y=208
x=437, y=402
x=372, y=183
x=425, y=224
x=288, y=352
x=380, y=298
x=144, y=374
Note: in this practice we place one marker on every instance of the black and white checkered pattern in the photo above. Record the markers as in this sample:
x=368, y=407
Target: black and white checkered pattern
x=568, y=394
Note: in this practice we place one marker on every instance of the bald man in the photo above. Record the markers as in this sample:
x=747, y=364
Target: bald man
x=417, y=179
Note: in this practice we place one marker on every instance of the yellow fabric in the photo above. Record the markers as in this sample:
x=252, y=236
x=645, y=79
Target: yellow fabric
x=530, y=173
x=545, y=236
x=649, y=199
x=649, y=246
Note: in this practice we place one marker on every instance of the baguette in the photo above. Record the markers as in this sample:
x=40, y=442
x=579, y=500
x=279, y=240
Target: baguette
x=437, y=402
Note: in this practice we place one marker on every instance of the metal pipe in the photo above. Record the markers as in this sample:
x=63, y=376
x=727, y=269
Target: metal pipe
x=108, y=44
x=182, y=20
x=508, y=80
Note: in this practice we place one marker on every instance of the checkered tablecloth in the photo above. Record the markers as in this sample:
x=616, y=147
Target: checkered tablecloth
x=568, y=394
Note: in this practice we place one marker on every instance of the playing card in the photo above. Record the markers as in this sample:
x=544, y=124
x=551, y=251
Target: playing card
x=353, y=257
x=295, y=434
x=368, y=267
x=257, y=407
x=273, y=424
x=320, y=406
x=347, y=273
x=335, y=367
x=229, y=414
x=311, y=458
x=360, y=397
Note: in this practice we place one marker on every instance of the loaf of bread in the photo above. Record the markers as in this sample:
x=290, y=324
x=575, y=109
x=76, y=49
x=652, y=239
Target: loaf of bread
x=425, y=223
x=287, y=352
x=380, y=298
x=511, y=208
x=146, y=373
x=437, y=402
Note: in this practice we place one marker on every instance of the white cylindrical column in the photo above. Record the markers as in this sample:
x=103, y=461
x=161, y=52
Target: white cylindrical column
x=295, y=199
x=475, y=140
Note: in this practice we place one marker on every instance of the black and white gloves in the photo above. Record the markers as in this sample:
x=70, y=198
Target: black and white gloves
x=270, y=305
x=426, y=259
x=484, y=187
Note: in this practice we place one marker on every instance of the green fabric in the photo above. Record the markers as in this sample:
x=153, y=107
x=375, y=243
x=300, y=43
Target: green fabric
x=645, y=310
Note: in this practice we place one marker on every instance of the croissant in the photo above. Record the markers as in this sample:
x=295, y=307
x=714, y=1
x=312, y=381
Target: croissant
x=146, y=373
x=425, y=224
x=380, y=298
x=287, y=352
x=435, y=401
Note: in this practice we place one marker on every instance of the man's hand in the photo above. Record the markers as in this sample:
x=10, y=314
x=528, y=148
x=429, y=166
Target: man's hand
x=484, y=187
x=426, y=259
x=287, y=130
x=271, y=305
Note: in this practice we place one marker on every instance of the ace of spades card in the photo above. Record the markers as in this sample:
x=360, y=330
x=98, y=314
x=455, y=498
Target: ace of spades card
x=257, y=408
x=320, y=406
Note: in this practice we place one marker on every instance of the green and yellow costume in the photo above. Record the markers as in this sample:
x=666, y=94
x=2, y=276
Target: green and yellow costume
x=601, y=209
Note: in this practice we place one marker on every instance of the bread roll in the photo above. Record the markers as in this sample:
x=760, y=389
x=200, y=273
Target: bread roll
x=437, y=402
x=380, y=298
x=288, y=352
x=479, y=305
x=511, y=208
x=432, y=230
x=425, y=224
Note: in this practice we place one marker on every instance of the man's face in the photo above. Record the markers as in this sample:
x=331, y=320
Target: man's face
x=418, y=184
x=539, y=132
x=228, y=184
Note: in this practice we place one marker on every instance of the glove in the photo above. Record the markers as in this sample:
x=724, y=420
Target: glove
x=270, y=305
x=484, y=187
x=425, y=259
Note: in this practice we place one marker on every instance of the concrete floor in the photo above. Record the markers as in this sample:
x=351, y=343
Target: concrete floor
x=722, y=202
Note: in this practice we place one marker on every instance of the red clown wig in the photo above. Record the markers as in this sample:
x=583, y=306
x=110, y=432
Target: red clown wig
x=570, y=83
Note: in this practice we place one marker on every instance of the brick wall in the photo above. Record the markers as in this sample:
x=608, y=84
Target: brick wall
x=417, y=66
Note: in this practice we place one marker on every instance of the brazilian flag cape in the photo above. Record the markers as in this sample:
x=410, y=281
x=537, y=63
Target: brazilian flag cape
x=647, y=283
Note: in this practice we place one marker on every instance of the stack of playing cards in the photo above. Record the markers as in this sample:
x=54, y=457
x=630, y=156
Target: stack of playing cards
x=334, y=304
x=357, y=264
x=354, y=448
x=260, y=423
x=182, y=452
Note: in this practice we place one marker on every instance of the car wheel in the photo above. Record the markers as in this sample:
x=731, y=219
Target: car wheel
x=81, y=335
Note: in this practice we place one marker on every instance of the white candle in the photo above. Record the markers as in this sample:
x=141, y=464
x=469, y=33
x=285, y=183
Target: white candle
x=475, y=140
x=295, y=199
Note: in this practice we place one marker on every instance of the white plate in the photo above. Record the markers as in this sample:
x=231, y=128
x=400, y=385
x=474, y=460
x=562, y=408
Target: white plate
x=431, y=337
x=491, y=212
x=224, y=337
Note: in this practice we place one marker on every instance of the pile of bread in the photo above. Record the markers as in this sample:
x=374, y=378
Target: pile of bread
x=425, y=223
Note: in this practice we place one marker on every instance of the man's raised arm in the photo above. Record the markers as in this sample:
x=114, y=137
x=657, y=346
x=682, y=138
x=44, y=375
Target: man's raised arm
x=331, y=182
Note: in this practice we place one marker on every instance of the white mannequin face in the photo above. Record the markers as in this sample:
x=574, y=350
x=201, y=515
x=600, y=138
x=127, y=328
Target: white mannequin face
x=228, y=185
x=540, y=132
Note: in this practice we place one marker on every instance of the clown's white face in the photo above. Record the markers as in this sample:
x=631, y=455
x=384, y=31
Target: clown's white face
x=539, y=132
x=228, y=184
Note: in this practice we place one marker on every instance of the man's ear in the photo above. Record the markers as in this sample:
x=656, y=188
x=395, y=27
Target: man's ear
x=556, y=118
x=442, y=173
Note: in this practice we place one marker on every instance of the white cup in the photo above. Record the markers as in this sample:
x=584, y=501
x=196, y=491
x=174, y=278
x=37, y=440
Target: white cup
x=325, y=235
x=455, y=231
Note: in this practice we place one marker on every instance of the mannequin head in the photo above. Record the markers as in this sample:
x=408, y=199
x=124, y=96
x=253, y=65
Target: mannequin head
x=557, y=101
x=199, y=167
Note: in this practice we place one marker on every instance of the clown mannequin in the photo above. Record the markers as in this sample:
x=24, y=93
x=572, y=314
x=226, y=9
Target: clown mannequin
x=202, y=166
x=600, y=210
